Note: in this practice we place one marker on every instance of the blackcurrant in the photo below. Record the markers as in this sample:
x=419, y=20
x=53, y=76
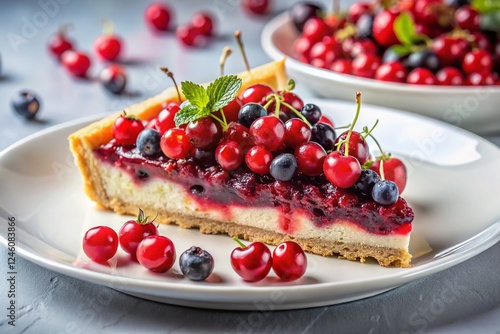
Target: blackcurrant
x=284, y=167
x=426, y=58
x=250, y=112
x=26, y=104
x=196, y=264
x=148, y=142
x=303, y=11
x=311, y=112
x=365, y=25
x=366, y=181
x=324, y=135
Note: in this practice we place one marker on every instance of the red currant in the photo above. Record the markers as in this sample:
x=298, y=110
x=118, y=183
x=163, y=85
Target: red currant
x=204, y=133
x=77, y=63
x=229, y=155
x=358, y=9
x=302, y=47
x=297, y=132
x=477, y=61
x=450, y=50
x=358, y=147
x=156, y=253
x=258, y=7
x=239, y=133
x=175, y=144
x=394, y=170
x=126, y=129
x=108, y=47
x=421, y=76
x=60, y=43
x=366, y=46
x=450, y=76
x=365, y=65
x=204, y=22
x=257, y=93
x=310, y=158
x=100, y=243
x=326, y=120
x=165, y=120
x=315, y=28
x=480, y=79
x=258, y=160
x=231, y=111
x=289, y=261
x=190, y=35
x=268, y=131
x=393, y=72
x=467, y=18
x=252, y=262
x=133, y=232
x=342, y=66
x=158, y=16
x=383, y=28
x=342, y=171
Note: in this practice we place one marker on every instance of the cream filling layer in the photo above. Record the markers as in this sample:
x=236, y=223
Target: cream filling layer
x=164, y=195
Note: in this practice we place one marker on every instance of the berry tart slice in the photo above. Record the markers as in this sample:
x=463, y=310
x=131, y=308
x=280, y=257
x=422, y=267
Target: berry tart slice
x=244, y=156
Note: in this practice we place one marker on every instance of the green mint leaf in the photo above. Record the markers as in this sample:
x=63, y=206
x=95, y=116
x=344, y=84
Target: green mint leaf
x=196, y=94
x=187, y=113
x=486, y=6
x=404, y=28
x=222, y=91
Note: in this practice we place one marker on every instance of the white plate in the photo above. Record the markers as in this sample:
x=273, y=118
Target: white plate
x=452, y=188
x=472, y=108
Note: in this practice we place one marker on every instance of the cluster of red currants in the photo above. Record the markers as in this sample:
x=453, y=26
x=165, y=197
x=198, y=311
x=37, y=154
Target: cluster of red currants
x=272, y=133
x=108, y=47
x=425, y=42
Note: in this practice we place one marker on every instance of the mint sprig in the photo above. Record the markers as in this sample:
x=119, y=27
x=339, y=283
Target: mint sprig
x=202, y=102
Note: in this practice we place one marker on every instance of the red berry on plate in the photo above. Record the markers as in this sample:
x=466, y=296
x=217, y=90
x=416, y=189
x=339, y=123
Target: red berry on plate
x=258, y=160
x=450, y=50
x=480, y=79
x=100, y=243
x=203, y=21
x=113, y=79
x=383, y=28
x=229, y=155
x=394, y=170
x=77, y=63
x=477, y=61
x=158, y=16
x=252, y=262
x=190, y=36
x=256, y=6
x=302, y=47
x=342, y=171
x=175, y=144
x=289, y=261
x=343, y=66
x=133, y=232
x=126, y=128
x=315, y=29
x=449, y=76
x=365, y=65
x=156, y=253
x=467, y=18
x=108, y=47
x=59, y=44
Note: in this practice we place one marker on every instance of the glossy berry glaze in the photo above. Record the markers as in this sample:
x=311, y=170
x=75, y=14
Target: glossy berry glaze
x=214, y=188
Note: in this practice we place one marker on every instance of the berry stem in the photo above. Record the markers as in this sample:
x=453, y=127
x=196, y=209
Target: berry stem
x=296, y=112
x=222, y=121
x=368, y=132
x=171, y=76
x=235, y=238
x=226, y=52
x=108, y=28
x=348, y=138
x=239, y=41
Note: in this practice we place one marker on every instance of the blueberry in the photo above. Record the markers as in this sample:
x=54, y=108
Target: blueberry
x=196, y=264
x=457, y=3
x=324, y=135
x=366, y=181
x=148, y=142
x=385, y=192
x=391, y=56
x=26, y=104
x=303, y=11
x=284, y=167
x=425, y=58
x=365, y=25
x=250, y=112
x=113, y=79
x=311, y=112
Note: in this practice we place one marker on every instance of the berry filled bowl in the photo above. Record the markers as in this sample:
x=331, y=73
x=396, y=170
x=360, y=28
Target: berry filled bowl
x=448, y=70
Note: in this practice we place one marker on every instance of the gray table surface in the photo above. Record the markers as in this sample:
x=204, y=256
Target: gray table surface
x=49, y=302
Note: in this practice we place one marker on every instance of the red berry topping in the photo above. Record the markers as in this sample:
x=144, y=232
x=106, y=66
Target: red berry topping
x=310, y=158
x=158, y=16
x=156, y=253
x=126, y=129
x=108, y=47
x=268, y=131
x=394, y=170
x=229, y=155
x=358, y=147
x=258, y=160
x=100, y=243
x=326, y=120
x=175, y=144
x=289, y=261
x=239, y=133
x=256, y=93
x=252, y=262
x=165, y=120
x=204, y=133
x=204, y=22
x=77, y=63
x=342, y=171
x=297, y=132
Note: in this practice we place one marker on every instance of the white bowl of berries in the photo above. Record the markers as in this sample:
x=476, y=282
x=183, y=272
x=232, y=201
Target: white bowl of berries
x=452, y=76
